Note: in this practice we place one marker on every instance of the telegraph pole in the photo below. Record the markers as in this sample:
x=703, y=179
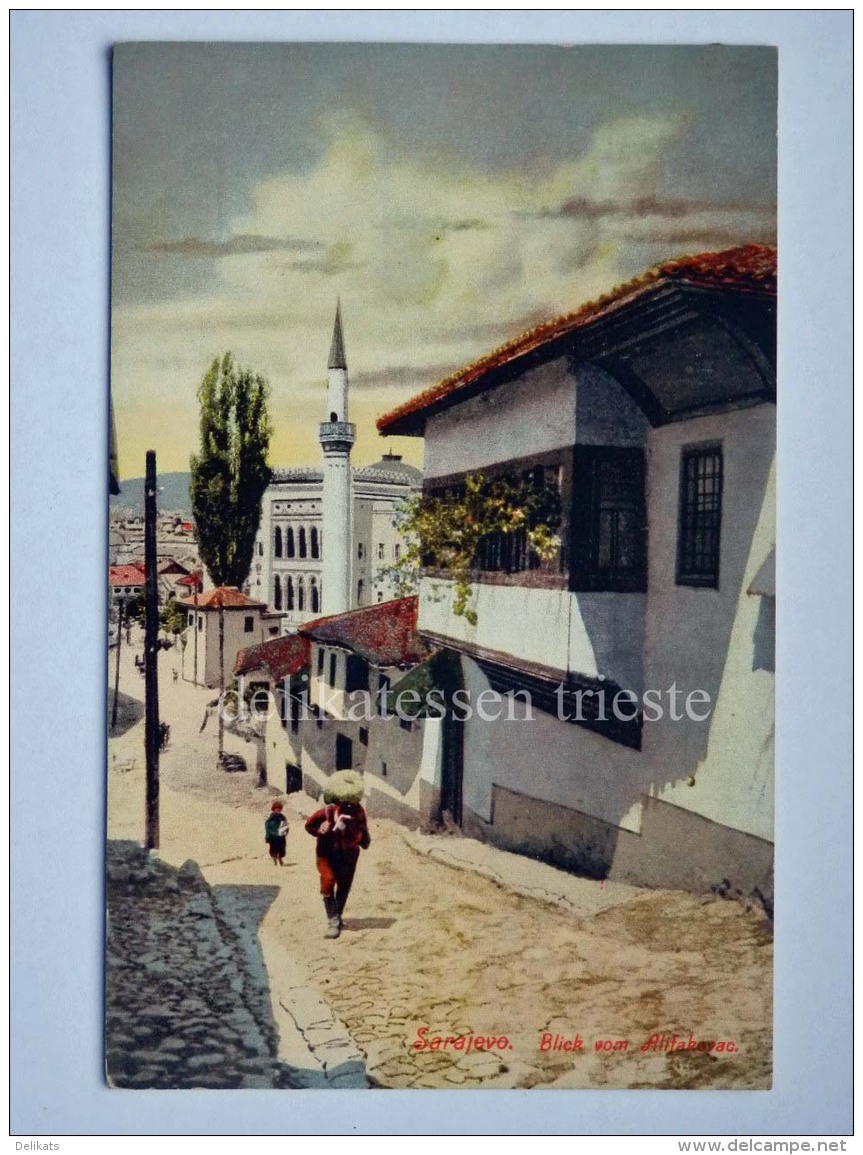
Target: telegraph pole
x=121, y=607
x=151, y=654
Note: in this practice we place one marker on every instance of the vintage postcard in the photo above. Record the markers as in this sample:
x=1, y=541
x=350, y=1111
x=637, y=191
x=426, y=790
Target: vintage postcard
x=441, y=576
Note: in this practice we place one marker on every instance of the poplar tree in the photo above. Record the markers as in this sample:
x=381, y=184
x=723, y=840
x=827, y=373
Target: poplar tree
x=229, y=476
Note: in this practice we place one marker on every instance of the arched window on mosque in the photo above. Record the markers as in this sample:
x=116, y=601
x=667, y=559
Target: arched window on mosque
x=301, y=594
x=302, y=541
x=314, y=542
x=313, y=593
x=277, y=593
x=290, y=592
x=360, y=589
x=278, y=545
x=290, y=541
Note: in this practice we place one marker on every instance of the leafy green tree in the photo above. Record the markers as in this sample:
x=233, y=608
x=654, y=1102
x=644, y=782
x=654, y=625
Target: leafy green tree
x=229, y=476
x=230, y=472
x=172, y=618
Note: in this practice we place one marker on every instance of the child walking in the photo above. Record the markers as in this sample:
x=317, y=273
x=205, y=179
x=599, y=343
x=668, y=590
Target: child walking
x=341, y=831
x=276, y=833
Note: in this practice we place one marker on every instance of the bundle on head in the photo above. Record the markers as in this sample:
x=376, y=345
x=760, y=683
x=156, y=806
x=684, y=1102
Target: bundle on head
x=344, y=786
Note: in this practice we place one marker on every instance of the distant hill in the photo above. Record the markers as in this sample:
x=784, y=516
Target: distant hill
x=173, y=494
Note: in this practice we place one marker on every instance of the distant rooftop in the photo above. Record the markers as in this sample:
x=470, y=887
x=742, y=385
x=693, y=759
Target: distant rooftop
x=226, y=597
x=384, y=634
x=389, y=470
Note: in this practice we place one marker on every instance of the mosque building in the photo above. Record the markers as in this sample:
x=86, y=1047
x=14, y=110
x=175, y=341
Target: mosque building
x=327, y=537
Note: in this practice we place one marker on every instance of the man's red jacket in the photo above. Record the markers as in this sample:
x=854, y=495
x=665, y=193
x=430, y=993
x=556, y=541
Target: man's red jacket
x=354, y=835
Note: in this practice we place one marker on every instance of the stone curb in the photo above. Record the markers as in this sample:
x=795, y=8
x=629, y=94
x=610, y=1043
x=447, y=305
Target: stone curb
x=547, y=884
x=327, y=1038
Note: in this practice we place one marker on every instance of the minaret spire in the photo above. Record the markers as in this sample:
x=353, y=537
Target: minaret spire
x=337, y=358
x=337, y=437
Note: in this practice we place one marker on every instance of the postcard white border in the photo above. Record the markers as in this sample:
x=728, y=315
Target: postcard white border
x=60, y=230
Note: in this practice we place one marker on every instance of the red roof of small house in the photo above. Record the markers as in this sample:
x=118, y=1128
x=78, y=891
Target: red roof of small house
x=747, y=269
x=225, y=597
x=125, y=575
x=170, y=565
x=384, y=634
x=279, y=658
x=192, y=580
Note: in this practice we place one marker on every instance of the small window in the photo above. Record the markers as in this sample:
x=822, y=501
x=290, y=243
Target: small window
x=248, y=625
x=380, y=595
x=360, y=588
x=700, y=516
x=364, y=736
x=380, y=551
x=397, y=550
x=333, y=670
x=320, y=661
x=609, y=520
x=191, y=620
x=383, y=769
x=361, y=550
x=344, y=752
x=200, y=622
x=260, y=549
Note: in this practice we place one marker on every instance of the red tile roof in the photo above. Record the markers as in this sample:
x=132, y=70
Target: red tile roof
x=229, y=597
x=383, y=634
x=170, y=565
x=191, y=580
x=125, y=575
x=747, y=269
x=279, y=658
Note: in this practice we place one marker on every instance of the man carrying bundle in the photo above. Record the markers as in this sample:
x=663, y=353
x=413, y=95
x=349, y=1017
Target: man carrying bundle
x=341, y=831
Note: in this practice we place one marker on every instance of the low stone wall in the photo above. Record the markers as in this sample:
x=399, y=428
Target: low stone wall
x=677, y=849
x=187, y=1001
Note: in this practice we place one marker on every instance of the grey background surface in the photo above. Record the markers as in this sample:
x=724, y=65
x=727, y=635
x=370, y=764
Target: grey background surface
x=60, y=232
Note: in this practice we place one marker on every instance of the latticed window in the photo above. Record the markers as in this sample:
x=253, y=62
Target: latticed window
x=510, y=552
x=609, y=520
x=700, y=516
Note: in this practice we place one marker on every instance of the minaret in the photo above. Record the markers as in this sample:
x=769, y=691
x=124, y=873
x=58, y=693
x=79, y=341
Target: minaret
x=337, y=437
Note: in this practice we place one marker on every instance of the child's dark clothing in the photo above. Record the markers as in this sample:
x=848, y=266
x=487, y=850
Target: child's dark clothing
x=275, y=834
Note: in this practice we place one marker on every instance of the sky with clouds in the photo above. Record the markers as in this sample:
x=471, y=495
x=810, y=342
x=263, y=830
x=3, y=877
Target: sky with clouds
x=451, y=196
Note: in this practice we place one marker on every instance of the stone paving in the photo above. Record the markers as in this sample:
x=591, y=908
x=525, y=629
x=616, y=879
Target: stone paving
x=186, y=1002
x=441, y=934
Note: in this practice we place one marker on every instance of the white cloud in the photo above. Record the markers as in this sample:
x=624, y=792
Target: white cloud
x=430, y=260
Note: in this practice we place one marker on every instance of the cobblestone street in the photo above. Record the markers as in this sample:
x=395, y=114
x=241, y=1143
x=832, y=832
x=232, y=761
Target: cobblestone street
x=433, y=943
